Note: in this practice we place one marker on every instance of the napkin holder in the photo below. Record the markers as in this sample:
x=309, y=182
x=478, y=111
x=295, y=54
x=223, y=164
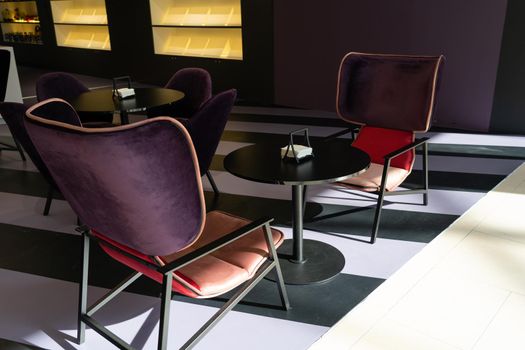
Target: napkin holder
x=296, y=151
x=122, y=93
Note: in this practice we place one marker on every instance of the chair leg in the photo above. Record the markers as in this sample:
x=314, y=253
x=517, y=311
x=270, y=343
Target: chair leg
x=165, y=310
x=377, y=217
x=48, y=200
x=20, y=150
x=230, y=304
x=280, y=280
x=212, y=183
x=425, y=173
x=82, y=297
x=379, y=205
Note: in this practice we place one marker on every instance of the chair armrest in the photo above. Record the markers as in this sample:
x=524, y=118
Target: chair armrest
x=213, y=246
x=408, y=147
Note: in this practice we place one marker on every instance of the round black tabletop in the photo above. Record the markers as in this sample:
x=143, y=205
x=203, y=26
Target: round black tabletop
x=102, y=100
x=333, y=161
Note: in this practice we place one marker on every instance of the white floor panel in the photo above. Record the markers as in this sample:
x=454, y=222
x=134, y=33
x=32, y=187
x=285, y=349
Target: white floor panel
x=379, y=260
x=464, y=289
x=26, y=211
x=440, y=201
x=42, y=311
x=472, y=165
x=476, y=139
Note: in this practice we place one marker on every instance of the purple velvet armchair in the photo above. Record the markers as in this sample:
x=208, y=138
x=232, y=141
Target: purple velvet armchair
x=391, y=97
x=146, y=209
x=13, y=114
x=197, y=87
x=5, y=61
x=65, y=86
x=206, y=128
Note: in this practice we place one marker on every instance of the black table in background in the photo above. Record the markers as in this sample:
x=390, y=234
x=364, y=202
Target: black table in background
x=102, y=100
x=303, y=261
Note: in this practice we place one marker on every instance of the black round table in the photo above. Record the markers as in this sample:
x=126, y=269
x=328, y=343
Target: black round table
x=302, y=261
x=103, y=100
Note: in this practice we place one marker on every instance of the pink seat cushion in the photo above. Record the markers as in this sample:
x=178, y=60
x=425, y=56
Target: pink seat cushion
x=370, y=180
x=231, y=265
x=378, y=142
x=215, y=273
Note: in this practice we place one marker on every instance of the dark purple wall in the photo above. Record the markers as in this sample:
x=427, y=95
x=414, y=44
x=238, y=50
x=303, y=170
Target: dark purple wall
x=311, y=37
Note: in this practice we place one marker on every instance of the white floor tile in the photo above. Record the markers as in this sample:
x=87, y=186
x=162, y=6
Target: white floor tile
x=389, y=334
x=450, y=309
x=506, y=330
x=488, y=259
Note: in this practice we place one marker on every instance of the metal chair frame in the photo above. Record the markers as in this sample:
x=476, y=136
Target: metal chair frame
x=85, y=314
x=381, y=193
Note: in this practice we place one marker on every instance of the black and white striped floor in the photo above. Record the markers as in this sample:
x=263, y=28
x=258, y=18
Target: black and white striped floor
x=39, y=264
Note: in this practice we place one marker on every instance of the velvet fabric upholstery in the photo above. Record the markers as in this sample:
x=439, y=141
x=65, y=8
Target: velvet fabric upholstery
x=378, y=142
x=389, y=91
x=67, y=87
x=58, y=110
x=5, y=61
x=13, y=114
x=197, y=87
x=124, y=183
x=207, y=125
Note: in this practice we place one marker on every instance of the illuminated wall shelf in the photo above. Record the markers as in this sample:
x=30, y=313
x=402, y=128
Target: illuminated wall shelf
x=81, y=24
x=197, y=28
x=20, y=22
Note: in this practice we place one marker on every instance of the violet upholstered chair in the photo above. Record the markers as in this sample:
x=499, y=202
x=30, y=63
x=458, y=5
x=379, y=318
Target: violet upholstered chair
x=5, y=61
x=67, y=87
x=197, y=87
x=206, y=128
x=13, y=114
x=391, y=97
x=146, y=209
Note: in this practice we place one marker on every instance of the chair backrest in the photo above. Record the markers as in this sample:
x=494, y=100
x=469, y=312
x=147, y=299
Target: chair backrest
x=60, y=85
x=207, y=125
x=137, y=184
x=58, y=110
x=197, y=87
x=5, y=61
x=388, y=91
x=13, y=114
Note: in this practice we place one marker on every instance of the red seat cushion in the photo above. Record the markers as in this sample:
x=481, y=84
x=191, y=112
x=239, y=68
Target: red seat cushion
x=378, y=142
x=215, y=273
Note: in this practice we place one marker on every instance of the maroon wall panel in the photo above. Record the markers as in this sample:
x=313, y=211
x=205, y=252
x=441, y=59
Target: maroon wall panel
x=311, y=37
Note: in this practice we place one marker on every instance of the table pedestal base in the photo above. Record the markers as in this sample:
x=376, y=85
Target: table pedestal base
x=322, y=262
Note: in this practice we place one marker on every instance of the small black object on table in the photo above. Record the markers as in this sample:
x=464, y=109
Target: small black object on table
x=303, y=261
x=104, y=100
